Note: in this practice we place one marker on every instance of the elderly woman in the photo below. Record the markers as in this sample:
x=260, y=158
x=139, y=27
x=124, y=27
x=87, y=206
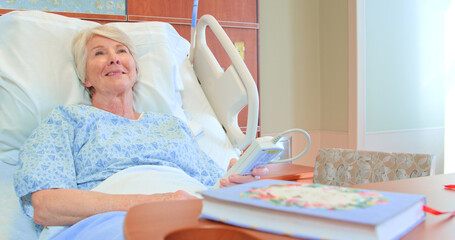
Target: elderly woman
x=78, y=147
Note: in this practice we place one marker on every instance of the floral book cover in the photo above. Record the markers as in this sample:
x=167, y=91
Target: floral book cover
x=345, y=204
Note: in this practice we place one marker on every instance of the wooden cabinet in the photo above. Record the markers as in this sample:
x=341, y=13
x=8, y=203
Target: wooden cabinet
x=241, y=11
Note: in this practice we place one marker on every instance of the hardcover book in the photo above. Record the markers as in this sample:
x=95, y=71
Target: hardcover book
x=314, y=210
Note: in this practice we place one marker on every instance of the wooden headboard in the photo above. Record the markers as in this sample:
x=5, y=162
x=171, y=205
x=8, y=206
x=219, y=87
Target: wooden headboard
x=239, y=18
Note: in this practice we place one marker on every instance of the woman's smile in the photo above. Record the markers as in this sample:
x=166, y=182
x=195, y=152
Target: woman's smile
x=114, y=73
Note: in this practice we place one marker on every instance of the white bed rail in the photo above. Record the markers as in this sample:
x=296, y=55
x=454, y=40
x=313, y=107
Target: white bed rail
x=227, y=91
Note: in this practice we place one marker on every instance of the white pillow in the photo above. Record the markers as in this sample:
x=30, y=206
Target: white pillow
x=37, y=71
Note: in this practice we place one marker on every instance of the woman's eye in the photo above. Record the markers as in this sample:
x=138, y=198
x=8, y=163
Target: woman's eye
x=122, y=51
x=97, y=53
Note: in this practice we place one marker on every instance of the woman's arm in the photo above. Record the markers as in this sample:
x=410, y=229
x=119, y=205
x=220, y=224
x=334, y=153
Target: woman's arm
x=64, y=207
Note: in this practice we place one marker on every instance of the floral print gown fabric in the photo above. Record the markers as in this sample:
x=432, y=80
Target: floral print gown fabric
x=80, y=146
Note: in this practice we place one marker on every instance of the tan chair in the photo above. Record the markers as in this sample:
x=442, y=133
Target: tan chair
x=336, y=166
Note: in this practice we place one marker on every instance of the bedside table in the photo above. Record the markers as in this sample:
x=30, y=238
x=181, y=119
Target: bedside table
x=176, y=220
x=290, y=172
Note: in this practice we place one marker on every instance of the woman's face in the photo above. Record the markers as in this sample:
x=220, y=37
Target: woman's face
x=110, y=67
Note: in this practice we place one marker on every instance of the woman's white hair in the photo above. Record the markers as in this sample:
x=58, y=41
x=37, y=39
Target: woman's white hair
x=79, y=46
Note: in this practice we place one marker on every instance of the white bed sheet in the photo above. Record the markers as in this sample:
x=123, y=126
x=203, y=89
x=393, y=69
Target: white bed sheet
x=140, y=180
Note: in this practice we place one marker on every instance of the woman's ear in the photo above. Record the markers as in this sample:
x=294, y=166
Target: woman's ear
x=87, y=84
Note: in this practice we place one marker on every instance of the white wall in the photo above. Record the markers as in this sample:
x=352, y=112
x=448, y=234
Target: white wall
x=289, y=65
x=303, y=71
x=405, y=64
x=402, y=84
x=449, y=43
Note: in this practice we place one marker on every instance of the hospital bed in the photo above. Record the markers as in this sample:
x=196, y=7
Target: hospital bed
x=37, y=74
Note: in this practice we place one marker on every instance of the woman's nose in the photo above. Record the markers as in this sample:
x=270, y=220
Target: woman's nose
x=113, y=58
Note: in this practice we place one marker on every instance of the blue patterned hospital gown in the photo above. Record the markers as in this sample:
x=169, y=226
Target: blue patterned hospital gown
x=80, y=146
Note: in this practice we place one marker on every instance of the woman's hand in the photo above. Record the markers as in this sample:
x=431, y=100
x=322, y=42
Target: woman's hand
x=235, y=179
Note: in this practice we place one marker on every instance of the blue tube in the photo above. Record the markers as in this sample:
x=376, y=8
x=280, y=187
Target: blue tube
x=194, y=18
